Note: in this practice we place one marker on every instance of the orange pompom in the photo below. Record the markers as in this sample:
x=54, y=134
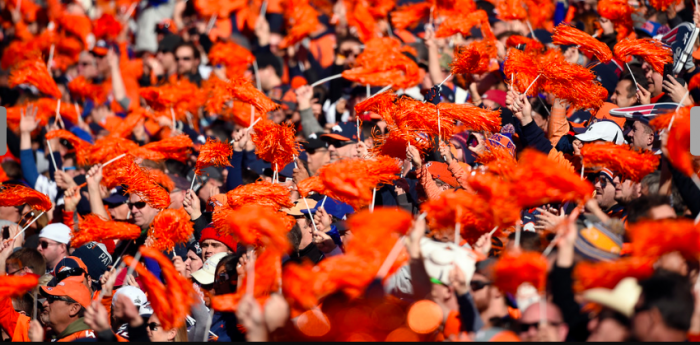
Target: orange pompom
x=531, y=45
x=178, y=148
x=110, y=147
x=127, y=125
x=266, y=281
x=620, y=13
x=260, y=193
x=217, y=94
x=303, y=20
x=107, y=27
x=606, y=275
x=169, y=228
x=16, y=286
x=254, y=225
x=181, y=292
x=213, y=153
x=548, y=181
x=359, y=16
x=514, y=269
x=158, y=296
x=473, y=58
x=311, y=184
x=137, y=181
x=409, y=15
x=571, y=82
x=498, y=160
x=377, y=230
x=503, y=205
x=161, y=178
x=662, y=5
x=93, y=228
x=81, y=88
x=383, y=63
x=297, y=285
x=650, y=50
x=33, y=71
x=18, y=195
x=653, y=238
x=569, y=35
x=510, y=10
x=621, y=159
x=678, y=144
x=158, y=98
x=462, y=24
x=244, y=91
x=473, y=118
x=76, y=24
x=275, y=143
x=234, y=57
x=523, y=70
x=352, y=180
x=81, y=146
x=540, y=13
x=222, y=9
x=470, y=211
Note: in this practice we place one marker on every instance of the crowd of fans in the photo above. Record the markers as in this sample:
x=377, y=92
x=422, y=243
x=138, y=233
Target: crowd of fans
x=160, y=76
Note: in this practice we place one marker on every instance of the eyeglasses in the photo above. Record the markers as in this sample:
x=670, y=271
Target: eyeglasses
x=71, y=272
x=223, y=277
x=84, y=64
x=45, y=244
x=153, y=326
x=603, y=181
x=524, y=327
x=139, y=205
x=183, y=58
x=52, y=299
x=477, y=285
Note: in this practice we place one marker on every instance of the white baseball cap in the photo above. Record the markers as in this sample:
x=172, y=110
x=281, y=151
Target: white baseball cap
x=440, y=257
x=205, y=275
x=603, y=130
x=137, y=297
x=58, y=232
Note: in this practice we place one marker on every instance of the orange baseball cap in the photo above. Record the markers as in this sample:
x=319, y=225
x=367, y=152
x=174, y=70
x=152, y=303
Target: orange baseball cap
x=69, y=288
x=440, y=172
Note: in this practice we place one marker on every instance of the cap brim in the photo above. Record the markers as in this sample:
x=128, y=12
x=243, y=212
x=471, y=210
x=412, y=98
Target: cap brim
x=587, y=136
x=203, y=277
x=335, y=137
x=608, y=299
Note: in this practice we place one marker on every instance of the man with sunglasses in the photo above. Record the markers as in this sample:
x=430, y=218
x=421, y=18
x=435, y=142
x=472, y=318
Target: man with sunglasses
x=342, y=141
x=65, y=307
x=187, y=60
x=54, y=243
x=605, y=194
x=530, y=327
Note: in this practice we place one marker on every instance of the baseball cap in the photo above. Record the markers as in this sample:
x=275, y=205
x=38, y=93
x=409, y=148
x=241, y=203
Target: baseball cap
x=58, y=232
x=137, y=297
x=299, y=208
x=439, y=260
x=498, y=96
x=333, y=207
x=168, y=43
x=605, y=130
x=95, y=258
x=541, y=35
x=117, y=197
x=644, y=113
x=205, y=275
x=313, y=142
x=621, y=299
x=209, y=233
x=596, y=242
x=70, y=288
x=195, y=248
x=344, y=131
x=70, y=266
x=180, y=182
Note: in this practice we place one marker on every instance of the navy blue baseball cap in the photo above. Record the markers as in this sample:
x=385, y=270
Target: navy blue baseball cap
x=335, y=208
x=96, y=258
x=344, y=131
x=117, y=198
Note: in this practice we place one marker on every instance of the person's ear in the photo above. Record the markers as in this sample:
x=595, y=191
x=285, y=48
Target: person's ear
x=74, y=309
x=172, y=334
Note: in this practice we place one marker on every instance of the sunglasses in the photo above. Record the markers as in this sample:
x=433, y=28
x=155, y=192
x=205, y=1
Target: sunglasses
x=45, y=244
x=84, y=64
x=71, y=272
x=184, y=58
x=52, y=299
x=477, y=285
x=603, y=181
x=525, y=327
x=153, y=326
x=139, y=205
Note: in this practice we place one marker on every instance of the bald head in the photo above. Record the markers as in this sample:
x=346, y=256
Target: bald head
x=530, y=323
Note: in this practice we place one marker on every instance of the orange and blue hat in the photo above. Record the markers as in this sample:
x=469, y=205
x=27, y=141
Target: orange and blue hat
x=505, y=138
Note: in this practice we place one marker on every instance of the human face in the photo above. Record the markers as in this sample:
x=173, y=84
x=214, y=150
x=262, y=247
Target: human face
x=530, y=322
x=58, y=312
x=221, y=282
x=14, y=268
x=143, y=213
x=620, y=95
x=626, y=191
x=52, y=251
x=211, y=247
x=306, y=232
x=176, y=198
x=10, y=213
x=193, y=263
x=654, y=78
x=605, y=192
x=639, y=138
x=86, y=66
x=119, y=212
x=480, y=292
x=662, y=212
x=607, y=329
x=571, y=55
x=167, y=60
x=317, y=159
x=540, y=121
x=186, y=63
x=209, y=189
x=342, y=150
x=156, y=333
